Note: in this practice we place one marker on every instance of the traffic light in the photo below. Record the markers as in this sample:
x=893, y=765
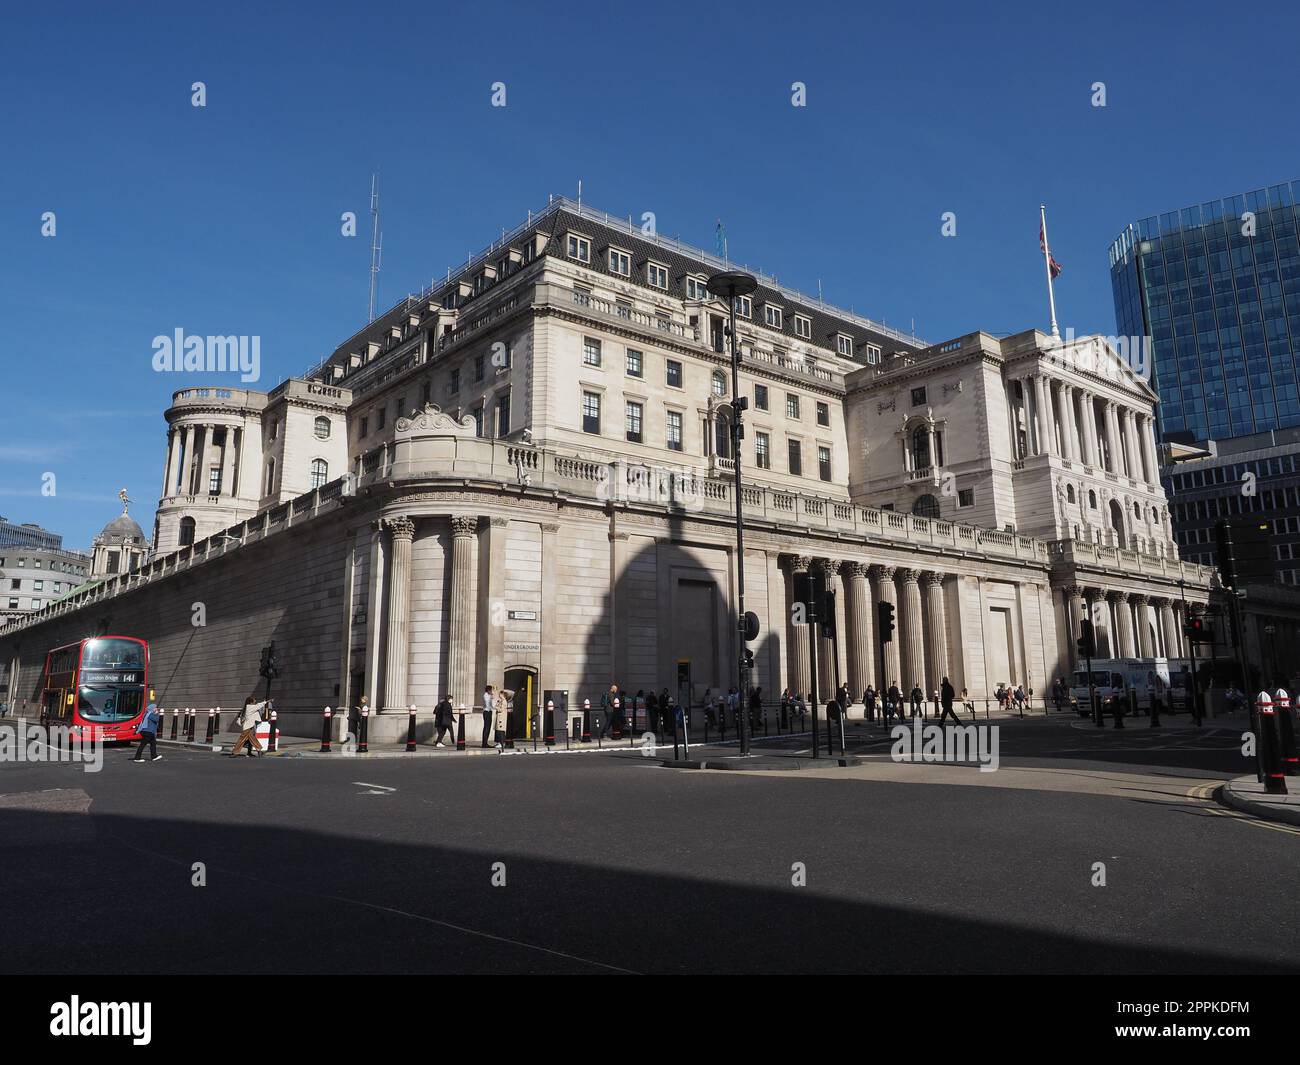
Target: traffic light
x=1196, y=631
x=828, y=616
x=749, y=658
x=1087, y=642
x=885, y=621
x=270, y=667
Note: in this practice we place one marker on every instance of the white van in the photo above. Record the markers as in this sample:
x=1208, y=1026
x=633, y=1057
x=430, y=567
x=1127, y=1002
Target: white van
x=1119, y=676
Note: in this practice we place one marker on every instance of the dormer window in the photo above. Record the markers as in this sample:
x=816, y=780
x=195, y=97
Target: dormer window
x=802, y=326
x=744, y=307
x=873, y=354
x=773, y=316
x=697, y=288
x=656, y=275
x=620, y=262
x=844, y=345
x=578, y=248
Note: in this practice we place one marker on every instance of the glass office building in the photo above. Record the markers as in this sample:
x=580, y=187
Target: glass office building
x=1217, y=289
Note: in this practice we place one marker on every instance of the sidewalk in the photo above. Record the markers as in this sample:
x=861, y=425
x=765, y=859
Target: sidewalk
x=1248, y=795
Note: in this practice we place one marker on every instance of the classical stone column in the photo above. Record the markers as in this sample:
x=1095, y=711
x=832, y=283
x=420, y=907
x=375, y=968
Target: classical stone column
x=800, y=658
x=1042, y=415
x=1149, y=442
x=882, y=580
x=936, y=633
x=1112, y=439
x=460, y=609
x=1090, y=428
x=859, y=621
x=1135, y=452
x=1124, y=618
x=169, y=467
x=913, y=630
x=1170, y=627
x=1143, y=621
x=830, y=568
x=402, y=531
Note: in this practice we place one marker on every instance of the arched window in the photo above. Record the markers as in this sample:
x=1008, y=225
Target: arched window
x=1092, y=499
x=187, y=532
x=1137, y=511
x=1155, y=515
x=926, y=506
x=319, y=473
x=1069, y=493
x=322, y=428
x=719, y=383
x=270, y=476
x=920, y=448
x=1117, y=522
x=722, y=435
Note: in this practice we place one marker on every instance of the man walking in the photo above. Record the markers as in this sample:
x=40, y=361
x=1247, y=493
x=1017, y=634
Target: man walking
x=149, y=734
x=444, y=720
x=611, y=709
x=249, y=718
x=946, y=695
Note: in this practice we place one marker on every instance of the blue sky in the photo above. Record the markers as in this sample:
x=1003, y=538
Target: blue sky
x=225, y=219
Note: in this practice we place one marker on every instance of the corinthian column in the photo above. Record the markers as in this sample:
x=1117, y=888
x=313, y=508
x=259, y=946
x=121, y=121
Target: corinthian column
x=799, y=670
x=402, y=530
x=913, y=631
x=858, y=614
x=460, y=608
x=1124, y=619
x=1145, y=649
x=882, y=581
x=829, y=567
x=1168, y=626
x=936, y=633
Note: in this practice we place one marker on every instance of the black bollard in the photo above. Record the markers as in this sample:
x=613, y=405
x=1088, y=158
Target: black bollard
x=1268, y=747
x=460, y=730
x=191, y=719
x=550, y=724
x=217, y=725
x=1286, y=732
x=586, y=720
x=510, y=728
x=325, y=731
x=207, y=738
x=363, y=732
x=410, y=729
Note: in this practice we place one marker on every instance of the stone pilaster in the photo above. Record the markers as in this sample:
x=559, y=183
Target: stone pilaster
x=402, y=532
x=936, y=633
x=460, y=609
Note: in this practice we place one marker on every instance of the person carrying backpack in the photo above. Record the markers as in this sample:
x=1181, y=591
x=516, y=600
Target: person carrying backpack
x=149, y=734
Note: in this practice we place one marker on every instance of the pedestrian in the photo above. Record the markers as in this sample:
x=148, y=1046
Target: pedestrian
x=354, y=717
x=149, y=734
x=1118, y=699
x=968, y=702
x=785, y=708
x=499, y=706
x=249, y=718
x=755, y=708
x=893, y=702
x=945, y=703
x=651, y=710
x=918, y=701
x=444, y=720
x=611, y=709
x=665, y=708
x=638, y=708
x=869, y=702
x=1058, y=693
x=834, y=710
x=1022, y=696
x=801, y=706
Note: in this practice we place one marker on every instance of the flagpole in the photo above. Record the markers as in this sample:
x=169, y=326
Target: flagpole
x=1047, y=264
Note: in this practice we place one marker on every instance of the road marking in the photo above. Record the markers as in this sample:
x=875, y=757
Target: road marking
x=1203, y=793
x=363, y=784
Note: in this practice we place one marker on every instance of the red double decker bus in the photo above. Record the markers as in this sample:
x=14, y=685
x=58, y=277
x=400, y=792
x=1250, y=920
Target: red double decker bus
x=97, y=688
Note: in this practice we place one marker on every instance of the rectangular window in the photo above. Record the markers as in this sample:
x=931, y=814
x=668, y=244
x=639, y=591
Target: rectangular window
x=591, y=412
x=762, y=451
x=823, y=414
x=214, y=481
x=918, y=396
x=38, y=586
x=760, y=397
x=873, y=354
x=590, y=351
x=381, y=417
x=824, y=463
x=503, y=415
x=744, y=307
x=674, y=430
x=772, y=315
x=426, y=392
x=697, y=288
x=802, y=326
x=634, y=422
x=635, y=363
x=578, y=248
x=454, y=385
x=966, y=497
x=844, y=345
x=365, y=428
x=673, y=373
x=795, y=452
x=478, y=420
x=620, y=262
x=478, y=368
x=657, y=275
x=791, y=405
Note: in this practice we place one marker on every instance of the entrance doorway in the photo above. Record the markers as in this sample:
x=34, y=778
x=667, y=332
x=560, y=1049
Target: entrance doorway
x=522, y=680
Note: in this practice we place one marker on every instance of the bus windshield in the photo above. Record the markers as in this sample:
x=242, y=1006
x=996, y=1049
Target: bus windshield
x=109, y=704
x=113, y=654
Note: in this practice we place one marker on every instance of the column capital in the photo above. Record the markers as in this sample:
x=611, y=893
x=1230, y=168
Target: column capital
x=1158, y=600
x=401, y=527
x=933, y=577
x=908, y=575
x=1116, y=597
x=1137, y=599
x=797, y=563
x=463, y=525
x=829, y=566
x=857, y=569
x=882, y=573
x=1074, y=591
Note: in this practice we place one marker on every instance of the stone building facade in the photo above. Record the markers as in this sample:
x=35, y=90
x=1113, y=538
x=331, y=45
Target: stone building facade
x=538, y=494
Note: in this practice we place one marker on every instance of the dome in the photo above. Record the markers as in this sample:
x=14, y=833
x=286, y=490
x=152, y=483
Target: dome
x=121, y=529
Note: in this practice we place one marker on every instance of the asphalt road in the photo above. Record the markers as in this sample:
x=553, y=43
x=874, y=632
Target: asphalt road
x=613, y=863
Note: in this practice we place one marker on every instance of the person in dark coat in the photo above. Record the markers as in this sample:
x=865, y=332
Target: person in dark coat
x=946, y=696
x=444, y=720
x=869, y=703
x=894, y=702
x=918, y=701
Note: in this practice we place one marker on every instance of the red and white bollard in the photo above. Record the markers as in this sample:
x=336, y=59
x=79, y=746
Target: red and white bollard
x=586, y=720
x=549, y=735
x=325, y=731
x=271, y=739
x=1268, y=752
x=1286, y=730
x=212, y=717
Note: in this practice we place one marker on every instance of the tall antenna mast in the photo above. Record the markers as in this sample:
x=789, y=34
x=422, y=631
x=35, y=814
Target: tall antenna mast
x=376, y=241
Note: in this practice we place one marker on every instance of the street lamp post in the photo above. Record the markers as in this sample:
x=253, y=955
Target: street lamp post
x=729, y=285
